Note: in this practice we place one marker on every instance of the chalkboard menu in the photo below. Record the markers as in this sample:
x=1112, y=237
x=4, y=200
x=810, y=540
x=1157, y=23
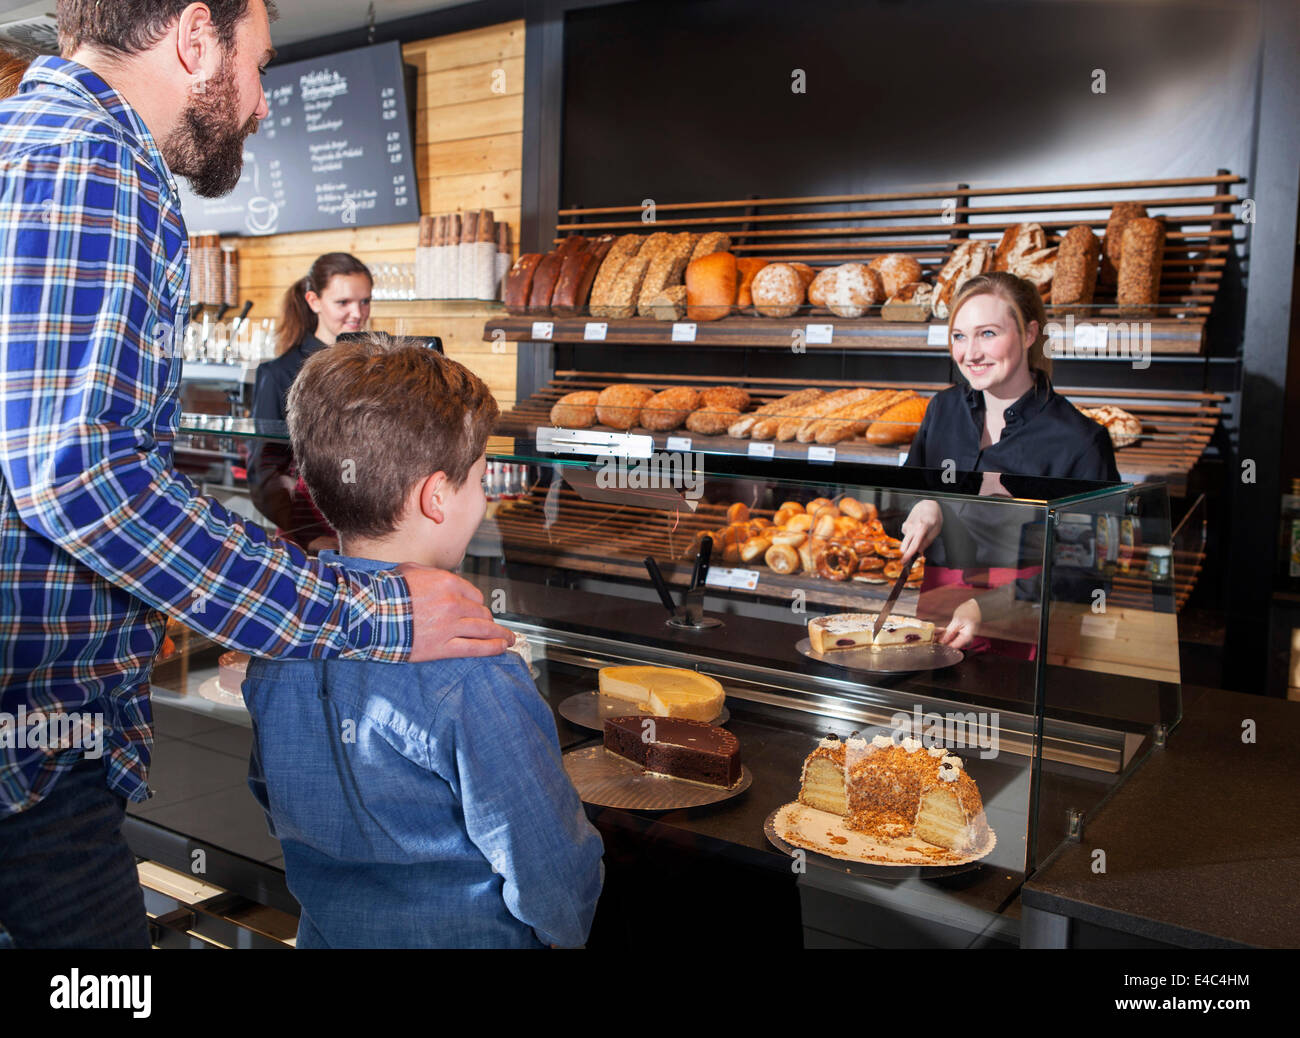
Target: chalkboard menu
x=337, y=150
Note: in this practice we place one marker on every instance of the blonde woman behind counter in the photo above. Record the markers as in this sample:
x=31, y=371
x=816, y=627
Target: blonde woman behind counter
x=332, y=300
x=1005, y=419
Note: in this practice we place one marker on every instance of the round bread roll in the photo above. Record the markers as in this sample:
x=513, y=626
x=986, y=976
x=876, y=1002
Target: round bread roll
x=800, y=523
x=806, y=273
x=896, y=270
x=762, y=522
x=792, y=538
x=667, y=410
x=784, y=515
x=619, y=406
x=793, y=506
x=725, y=396
x=754, y=547
x=738, y=513
x=851, y=289
x=778, y=290
x=817, y=502
x=781, y=558
x=821, y=510
x=824, y=527
x=810, y=553
x=746, y=268
x=575, y=410
x=711, y=421
x=817, y=290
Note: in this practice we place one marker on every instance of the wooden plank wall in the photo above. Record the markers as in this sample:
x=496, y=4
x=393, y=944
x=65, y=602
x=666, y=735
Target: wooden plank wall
x=469, y=155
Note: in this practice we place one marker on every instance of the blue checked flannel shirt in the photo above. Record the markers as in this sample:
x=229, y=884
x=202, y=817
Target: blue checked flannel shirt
x=99, y=538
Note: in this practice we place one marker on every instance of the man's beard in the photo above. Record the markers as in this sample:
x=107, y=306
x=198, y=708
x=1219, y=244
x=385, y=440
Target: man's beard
x=205, y=148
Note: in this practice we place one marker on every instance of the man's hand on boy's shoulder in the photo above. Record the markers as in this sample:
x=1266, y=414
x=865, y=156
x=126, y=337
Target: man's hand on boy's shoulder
x=449, y=617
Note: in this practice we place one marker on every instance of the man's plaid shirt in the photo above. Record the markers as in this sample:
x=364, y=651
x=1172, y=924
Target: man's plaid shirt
x=99, y=537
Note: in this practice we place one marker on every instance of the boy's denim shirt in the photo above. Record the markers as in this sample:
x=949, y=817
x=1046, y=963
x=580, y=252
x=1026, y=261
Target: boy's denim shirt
x=421, y=804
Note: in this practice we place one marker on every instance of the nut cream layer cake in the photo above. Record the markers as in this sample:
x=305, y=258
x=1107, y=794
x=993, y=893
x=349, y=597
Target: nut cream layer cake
x=890, y=789
x=844, y=632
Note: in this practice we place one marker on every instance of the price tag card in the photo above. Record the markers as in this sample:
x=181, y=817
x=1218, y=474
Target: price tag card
x=760, y=449
x=819, y=334
x=595, y=331
x=679, y=443
x=825, y=455
x=744, y=579
x=937, y=335
x=683, y=331
x=543, y=329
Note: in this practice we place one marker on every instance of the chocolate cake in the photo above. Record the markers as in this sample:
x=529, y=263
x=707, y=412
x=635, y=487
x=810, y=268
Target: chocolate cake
x=677, y=747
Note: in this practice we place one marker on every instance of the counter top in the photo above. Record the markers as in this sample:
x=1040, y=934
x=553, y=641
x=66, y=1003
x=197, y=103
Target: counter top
x=1202, y=843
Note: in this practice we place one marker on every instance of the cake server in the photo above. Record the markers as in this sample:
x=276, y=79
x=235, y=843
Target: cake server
x=893, y=597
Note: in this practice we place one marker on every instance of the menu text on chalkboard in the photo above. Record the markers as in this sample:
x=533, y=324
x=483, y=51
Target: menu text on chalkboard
x=336, y=150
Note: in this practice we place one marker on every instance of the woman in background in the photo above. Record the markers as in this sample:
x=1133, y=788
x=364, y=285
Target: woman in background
x=332, y=300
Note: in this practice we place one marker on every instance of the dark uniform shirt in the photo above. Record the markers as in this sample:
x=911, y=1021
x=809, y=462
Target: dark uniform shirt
x=1045, y=435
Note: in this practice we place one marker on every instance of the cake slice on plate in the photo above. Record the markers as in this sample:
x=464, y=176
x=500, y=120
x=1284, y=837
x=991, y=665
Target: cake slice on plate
x=843, y=632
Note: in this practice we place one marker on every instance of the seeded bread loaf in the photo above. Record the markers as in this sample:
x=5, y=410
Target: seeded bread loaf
x=623, y=249
x=621, y=301
x=1077, y=260
x=666, y=269
x=1112, y=243
x=1141, y=259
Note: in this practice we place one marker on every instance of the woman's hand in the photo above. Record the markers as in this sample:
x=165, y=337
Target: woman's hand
x=964, y=625
x=920, y=528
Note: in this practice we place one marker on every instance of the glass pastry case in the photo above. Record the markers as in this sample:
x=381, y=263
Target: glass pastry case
x=1064, y=676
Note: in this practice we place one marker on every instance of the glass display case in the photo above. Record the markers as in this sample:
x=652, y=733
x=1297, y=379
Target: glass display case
x=1062, y=596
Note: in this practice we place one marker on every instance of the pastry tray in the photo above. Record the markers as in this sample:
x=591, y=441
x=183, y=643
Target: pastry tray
x=797, y=826
x=590, y=710
x=901, y=659
x=609, y=781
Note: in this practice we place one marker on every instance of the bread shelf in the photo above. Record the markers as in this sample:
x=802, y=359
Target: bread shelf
x=1177, y=426
x=1168, y=335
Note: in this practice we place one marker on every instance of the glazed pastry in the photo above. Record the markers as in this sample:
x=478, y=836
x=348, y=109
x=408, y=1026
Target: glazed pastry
x=837, y=562
x=889, y=548
x=870, y=563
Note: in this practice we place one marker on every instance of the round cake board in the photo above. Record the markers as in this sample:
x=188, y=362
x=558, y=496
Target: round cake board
x=607, y=780
x=900, y=659
x=590, y=710
x=798, y=825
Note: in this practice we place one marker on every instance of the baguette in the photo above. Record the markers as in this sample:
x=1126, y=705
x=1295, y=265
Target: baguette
x=899, y=423
x=789, y=427
x=783, y=405
x=853, y=420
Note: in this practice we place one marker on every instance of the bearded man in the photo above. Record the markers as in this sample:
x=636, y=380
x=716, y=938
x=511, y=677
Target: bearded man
x=100, y=539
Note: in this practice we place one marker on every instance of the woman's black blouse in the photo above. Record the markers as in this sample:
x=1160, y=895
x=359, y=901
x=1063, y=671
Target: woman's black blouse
x=271, y=404
x=1045, y=435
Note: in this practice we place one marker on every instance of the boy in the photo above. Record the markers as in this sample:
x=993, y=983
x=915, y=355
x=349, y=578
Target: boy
x=423, y=805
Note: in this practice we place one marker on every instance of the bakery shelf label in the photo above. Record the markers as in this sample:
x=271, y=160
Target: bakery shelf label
x=819, y=334
x=937, y=335
x=1090, y=339
x=822, y=455
x=543, y=329
x=761, y=449
x=679, y=443
x=741, y=579
x=594, y=443
x=683, y=331
x=595, y=331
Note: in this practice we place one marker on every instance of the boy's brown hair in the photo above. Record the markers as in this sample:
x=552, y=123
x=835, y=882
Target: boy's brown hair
x=371, y=418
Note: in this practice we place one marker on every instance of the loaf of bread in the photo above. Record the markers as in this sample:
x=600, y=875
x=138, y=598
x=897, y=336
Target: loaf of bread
x=711, y=420
x=1112, y=243
x=519, y=282
x=968, y=260
x=725, y=396
x=1142, y=256
x=806, y=274
x=1125, y=429
x=847, y=290
x=713, y=241
x=899, y=423
x=668, y=409
x=623, y=249
x=778, y=290
x=911, y=303
x=782, y=405
x=575, y=410
x=1018, y=241
x=666, y=269
x=1038, y=268
x=622, y=298
x=896, y=270
x=619, y=406
x=670, y=304
x=847, y=422
x=544, y=280
x=788, y=428
x=711, y=284
x=577, y=273
x=747, y=267
x=1077, y=259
